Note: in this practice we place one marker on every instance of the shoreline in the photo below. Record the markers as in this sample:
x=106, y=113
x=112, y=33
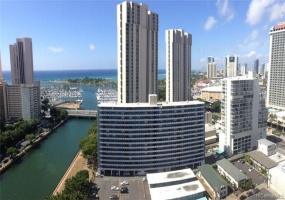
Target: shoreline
x=30, y=147
x=78, y=163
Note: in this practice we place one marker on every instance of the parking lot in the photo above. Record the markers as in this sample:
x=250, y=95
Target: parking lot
x=138, y=189
x=256, y=177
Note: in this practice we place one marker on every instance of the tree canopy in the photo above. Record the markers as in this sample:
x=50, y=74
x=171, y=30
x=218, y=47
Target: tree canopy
x=88, y=145
x=75, y=188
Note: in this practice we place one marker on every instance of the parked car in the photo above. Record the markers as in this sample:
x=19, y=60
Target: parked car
x=124, y=190
x=114, y=197
x=114, y=188
x=144, y=179
x=125, y=183
x=250, y=193
x=242, y=197
x=251, y=169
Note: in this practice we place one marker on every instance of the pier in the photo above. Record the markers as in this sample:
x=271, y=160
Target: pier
x=90, y=114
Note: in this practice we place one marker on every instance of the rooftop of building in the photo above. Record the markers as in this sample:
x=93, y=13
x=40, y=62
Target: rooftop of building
x=166, y=177
x=212, y=89
x=232, y=170
x=266, y=142
x=177, y=191
x=262, y=159
x=280, y=26
x=158, y=104
x=212, y=177
x=277, y=157
x=279, y=171
x=209, y=127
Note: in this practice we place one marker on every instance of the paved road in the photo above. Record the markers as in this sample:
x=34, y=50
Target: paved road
x=256, y=177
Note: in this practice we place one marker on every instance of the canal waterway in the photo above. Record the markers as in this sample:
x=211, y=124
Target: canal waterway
x=37, y=174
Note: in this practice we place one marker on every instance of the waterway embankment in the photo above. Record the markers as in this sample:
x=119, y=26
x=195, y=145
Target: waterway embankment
x=29, y=147
x=36, y=175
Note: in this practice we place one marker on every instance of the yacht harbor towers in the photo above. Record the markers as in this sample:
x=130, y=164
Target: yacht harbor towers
x=137, y=32
x=178, y=65
x=21, y=58
x=276, y=71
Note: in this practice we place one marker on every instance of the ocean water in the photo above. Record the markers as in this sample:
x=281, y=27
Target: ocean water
x=89, y=91
x=72, y=74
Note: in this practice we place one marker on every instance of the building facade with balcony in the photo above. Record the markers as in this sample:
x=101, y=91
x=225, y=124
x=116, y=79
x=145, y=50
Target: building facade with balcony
x=276, y=70
x=243, y=114
x=140, y=138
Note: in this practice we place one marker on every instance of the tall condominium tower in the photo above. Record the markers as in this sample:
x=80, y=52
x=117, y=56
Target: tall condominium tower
x=211, y=68
x=243, y=114
x=261, y=69
x=276, y=71
x=137, y=31
x=231, y=66
x=21, y=57
x=178, y=65
x=256, y=66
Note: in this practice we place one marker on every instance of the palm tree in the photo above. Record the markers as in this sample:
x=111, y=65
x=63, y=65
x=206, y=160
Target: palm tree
x=271, y=119
x=279, y=123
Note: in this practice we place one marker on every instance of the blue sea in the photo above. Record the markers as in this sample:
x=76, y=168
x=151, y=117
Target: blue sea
x=72, y=74
x=89, y=91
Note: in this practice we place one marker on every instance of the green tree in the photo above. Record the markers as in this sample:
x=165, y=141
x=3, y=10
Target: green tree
x=76, y=188
x=30, y=137
x=246, y=184
x=12, y=150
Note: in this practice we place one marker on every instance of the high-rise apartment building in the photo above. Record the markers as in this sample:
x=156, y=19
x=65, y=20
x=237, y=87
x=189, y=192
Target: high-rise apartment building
x=23, y=96
x=3, y=102
x=261, y=69
x=23, y=101
x=243, y=69
x=1, y=75
x=178, y=65
x=21, y=58
x=231, y=66
x=276, y=71
x=139, y=138
x=137, y=31
x=211, y=68
x=243, y=114
x=256, y=66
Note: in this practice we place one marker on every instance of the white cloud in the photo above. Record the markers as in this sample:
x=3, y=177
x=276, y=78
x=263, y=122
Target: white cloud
x=253, y=34
x=225, y=10
x=256, y=10
x=55, y=49
x=92, y=47
x=210, y=23
x=250, y=54
x=275, y=11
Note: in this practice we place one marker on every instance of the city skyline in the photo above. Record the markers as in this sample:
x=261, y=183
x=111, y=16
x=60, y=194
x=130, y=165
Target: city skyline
x=82, y=35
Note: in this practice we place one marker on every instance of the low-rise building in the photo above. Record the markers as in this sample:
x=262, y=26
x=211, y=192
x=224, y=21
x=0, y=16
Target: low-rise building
x=213, y=180
x=180, y=184
x=231, y=172
x=211, y=93
x=266, y=147
x=210, y=134
x=276, y=178
x=261, y=161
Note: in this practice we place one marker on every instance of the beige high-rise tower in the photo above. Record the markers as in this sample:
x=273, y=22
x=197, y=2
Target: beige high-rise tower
x=137, y=32
x=178, y=65
x=21, y=58
x=211, y=68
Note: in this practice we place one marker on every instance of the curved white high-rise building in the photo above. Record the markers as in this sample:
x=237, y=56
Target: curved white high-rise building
x=140, y=138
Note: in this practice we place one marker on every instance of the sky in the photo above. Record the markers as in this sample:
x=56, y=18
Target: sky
x=82, y=34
